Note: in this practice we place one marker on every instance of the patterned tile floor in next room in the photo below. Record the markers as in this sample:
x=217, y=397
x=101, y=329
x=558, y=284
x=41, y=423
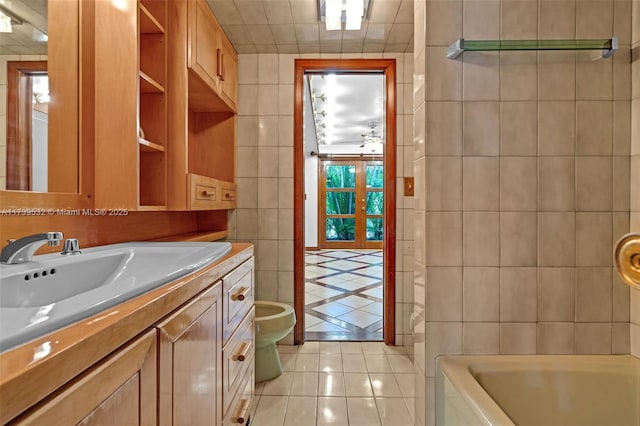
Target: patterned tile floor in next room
x=343, y=295
x=340, y=384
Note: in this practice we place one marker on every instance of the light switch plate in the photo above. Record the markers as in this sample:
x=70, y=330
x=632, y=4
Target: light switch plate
x=408, y=187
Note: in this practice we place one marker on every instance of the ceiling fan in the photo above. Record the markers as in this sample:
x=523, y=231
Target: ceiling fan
x=371, y=136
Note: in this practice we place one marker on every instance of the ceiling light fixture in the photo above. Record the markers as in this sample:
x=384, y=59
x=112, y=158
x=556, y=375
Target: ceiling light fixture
x=8, y=19
x=5, y=23
x=371, y=137
x=354, y=11
x=333, y=18
x=350, y=12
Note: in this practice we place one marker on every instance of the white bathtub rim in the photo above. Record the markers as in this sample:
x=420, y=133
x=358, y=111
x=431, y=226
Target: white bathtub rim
x=457, y=369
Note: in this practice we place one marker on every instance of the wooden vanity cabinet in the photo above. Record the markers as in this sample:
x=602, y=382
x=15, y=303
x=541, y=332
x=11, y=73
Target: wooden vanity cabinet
x=173, y=358
x=120, y=390
x=190, y=352
x=238, y=337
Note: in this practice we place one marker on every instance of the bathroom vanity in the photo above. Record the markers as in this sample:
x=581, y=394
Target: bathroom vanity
x=179, y=354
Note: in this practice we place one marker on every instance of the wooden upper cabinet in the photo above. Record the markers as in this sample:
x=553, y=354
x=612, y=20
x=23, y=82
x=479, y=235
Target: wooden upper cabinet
x=203, y=41
x=121, y=390
x=229, y=78
x=190, y=362
x=211, y=60
x=164, y=102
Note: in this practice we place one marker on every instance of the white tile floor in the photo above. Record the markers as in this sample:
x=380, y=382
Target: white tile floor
x=338, y=383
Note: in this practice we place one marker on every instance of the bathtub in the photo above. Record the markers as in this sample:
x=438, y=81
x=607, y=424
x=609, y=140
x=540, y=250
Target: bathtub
x=538, y=390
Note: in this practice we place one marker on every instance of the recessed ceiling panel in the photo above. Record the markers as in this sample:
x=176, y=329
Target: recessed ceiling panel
x=389, y=27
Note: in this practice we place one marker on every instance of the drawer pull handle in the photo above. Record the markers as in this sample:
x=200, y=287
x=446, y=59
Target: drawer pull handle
x=228, y=196
x=242, y=355
x=241, y=295
x=241, y=418
x=206, y=193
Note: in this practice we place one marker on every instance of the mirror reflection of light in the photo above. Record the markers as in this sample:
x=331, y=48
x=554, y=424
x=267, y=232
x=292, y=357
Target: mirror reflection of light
x=328, y=414
x=39, y=36
x=42, y=351
x=202, y=383
x=120, y=5
x=42, y=314
x=102, y=317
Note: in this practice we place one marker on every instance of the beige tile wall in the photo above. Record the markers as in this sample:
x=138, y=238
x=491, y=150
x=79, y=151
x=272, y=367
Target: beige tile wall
x=265, y=176
x=635, y=166
x=523, y=176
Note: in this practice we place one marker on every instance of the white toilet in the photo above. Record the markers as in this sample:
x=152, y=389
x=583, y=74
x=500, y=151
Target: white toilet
x=273, y=322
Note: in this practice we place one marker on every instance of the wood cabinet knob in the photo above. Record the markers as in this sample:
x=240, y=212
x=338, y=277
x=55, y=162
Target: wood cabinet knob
x=241, y=417
x=242, y=294
x=242, y=355
x=208, y=193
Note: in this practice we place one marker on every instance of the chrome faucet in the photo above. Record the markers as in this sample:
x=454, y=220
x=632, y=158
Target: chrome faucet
x=22, y=250
x=71, y=247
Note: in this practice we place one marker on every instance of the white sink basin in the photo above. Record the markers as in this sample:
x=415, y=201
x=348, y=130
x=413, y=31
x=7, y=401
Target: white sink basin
x=54, y=291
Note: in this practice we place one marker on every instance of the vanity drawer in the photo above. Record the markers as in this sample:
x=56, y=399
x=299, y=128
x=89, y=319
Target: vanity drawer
x=241, y=410
x=228, y=195
x=204, y=193
x=237, y=359
x=237, y=296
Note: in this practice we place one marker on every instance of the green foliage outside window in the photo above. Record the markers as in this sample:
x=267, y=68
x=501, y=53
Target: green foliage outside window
x=344, y=203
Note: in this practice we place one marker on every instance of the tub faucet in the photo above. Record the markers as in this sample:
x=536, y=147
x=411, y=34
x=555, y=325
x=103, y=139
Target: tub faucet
x=22, y=250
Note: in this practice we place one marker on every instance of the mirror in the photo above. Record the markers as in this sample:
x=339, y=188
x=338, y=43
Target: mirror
x=39, y=95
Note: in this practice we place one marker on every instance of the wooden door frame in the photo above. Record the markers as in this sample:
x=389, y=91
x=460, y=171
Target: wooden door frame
x=19, y=93
x=360, y=241
x=388, y=67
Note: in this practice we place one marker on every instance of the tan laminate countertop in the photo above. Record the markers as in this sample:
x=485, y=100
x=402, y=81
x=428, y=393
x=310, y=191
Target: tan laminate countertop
x=34, y=370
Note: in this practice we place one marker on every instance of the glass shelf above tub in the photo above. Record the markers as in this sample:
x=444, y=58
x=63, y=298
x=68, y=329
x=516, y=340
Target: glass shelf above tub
x=455, y=49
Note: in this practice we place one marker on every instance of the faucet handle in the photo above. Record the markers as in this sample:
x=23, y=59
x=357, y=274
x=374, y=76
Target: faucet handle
x=71, y=246
x=54, y=238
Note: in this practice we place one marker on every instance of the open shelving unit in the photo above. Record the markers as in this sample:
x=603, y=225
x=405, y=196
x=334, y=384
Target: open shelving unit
x=152, y=104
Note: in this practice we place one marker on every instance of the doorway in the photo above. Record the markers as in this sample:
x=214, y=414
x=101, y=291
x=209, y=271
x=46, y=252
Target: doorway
x=355, y=213
x=27, y=126
x=351, y=204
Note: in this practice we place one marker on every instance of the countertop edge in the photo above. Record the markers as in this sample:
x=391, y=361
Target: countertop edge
x=34, y=370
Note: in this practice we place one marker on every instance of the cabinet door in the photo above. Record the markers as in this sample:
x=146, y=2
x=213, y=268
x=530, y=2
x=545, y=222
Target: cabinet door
x=229, y=77
x=203, y=44
x=190, y=359
x=121, y=390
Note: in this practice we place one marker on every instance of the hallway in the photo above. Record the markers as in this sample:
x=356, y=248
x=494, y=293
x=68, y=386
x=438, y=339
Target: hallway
x=343, y=295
